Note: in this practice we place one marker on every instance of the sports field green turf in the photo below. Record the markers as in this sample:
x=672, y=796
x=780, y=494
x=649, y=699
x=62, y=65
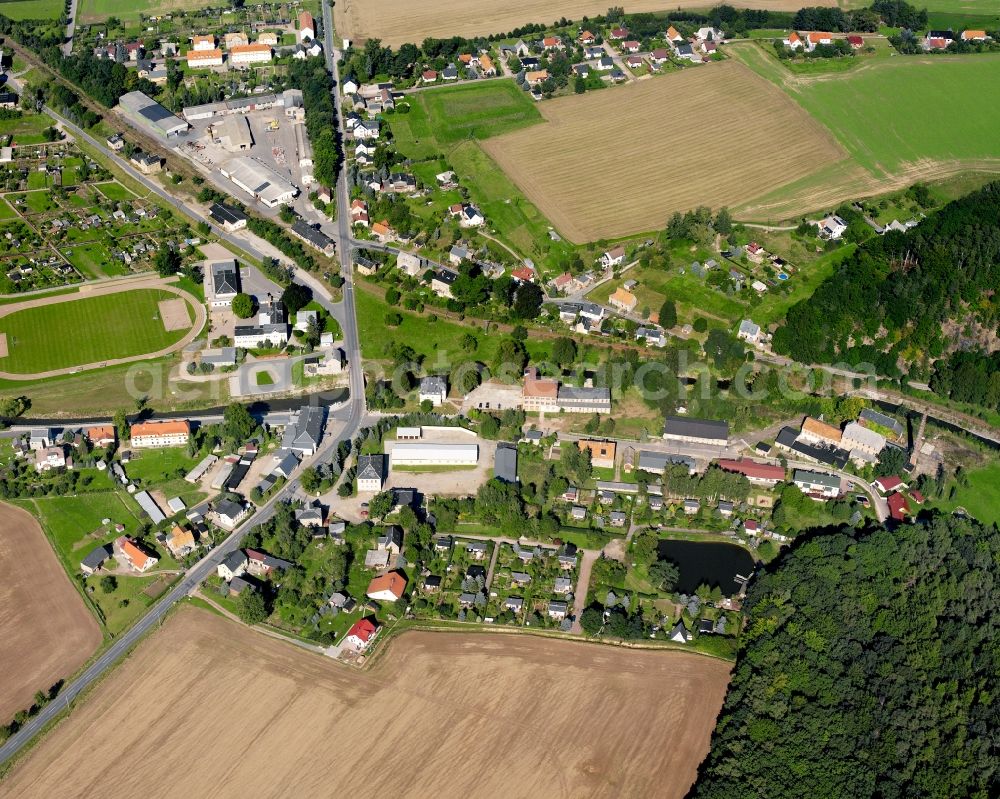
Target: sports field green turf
x=84, y=331
x=887, y=116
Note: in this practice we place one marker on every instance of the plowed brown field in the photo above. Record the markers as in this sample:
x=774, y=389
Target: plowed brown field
x=620, y=161
x=46, y=632
x=206, y=708
x=399, y=21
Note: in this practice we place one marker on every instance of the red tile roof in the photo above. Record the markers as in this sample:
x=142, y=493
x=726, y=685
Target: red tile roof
x=393, y=582
x=751, y=468
x=363, y=630
x=887, y=484
x=523, y=273
x=917, y=497
x=899, y=508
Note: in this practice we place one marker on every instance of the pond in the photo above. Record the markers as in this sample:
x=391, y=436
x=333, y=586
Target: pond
x=714, y=563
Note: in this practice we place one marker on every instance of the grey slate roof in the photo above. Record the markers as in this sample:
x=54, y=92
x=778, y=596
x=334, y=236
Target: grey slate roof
x=505, y=463
x=697, y=428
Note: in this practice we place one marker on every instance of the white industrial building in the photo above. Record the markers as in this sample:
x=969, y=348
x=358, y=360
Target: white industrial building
x=305, y=154
x=146, y=113
x=233, y=133
x=426, y=454
x=259, y=181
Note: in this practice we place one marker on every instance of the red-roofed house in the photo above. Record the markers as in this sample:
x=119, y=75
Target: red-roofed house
x=523, y=275
x=659, y=56
x=552, y=43
x=586, y=38
x=631, y=46
x=619, y=33
x=428, y=76
x=750, y=525
x=899, y=508
x=757, y=473
x=793, y=41
x=917, y=497
x=361, y=634
x=387, y=587
x=816, y=38
x=856, y=42
x=887, y=484
x=135, y=557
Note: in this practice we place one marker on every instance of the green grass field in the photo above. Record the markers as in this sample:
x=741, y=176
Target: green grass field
x=881, y=115
x=115, y=191
x=981, y=498
x=6, y=212
x=86, y=331
x=32, y=9
x=447, y=123
x=93, y=260
x=69, y=521
x=471, y=111
x=129, y=11
x=27, y=129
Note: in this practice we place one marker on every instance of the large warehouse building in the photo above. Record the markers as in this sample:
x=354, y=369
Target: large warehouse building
x=423, y=454
x=149, y=115
x=259, y=181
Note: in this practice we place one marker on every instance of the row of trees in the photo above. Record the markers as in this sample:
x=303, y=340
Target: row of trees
x=316, y=84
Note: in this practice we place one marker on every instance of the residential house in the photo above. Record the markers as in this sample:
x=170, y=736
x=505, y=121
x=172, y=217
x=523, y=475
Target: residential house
x=602, y=453
x=674, y=35
x=476, y=549
x=391, y=540
x=371, y=473
x=691, y=506
x=433, y=389
x=230, y=513
x=180, y=541
x=814, y=431
x=762, y=474
x=411, y=264
x=456, y=255
x=51, y=458
x=261, y=564
x=361, y=634
x=387, y=587
x=832, y=227
x=167, y=433
x=899, y=508
x=203, y=59
x=304, y=430
x=612, y=258
x=696, y=431
x=131, y=555
x=659, y=56
x=562, y=586
x=557, y=610
x=885, y=485
x=793, y=41
x=818, y=485
x=815, y=38
x=623, y=300
x=307, y=27
x=443, y=280
x=513, y=603
x=749, y=332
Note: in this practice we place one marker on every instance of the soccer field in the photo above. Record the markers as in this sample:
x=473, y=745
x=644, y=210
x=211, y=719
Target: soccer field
x=60, y=335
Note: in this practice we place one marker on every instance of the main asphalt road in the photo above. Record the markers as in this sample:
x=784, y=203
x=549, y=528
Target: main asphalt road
x=342, y=425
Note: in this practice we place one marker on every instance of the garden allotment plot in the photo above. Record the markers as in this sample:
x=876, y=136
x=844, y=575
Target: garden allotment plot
x=619, y=162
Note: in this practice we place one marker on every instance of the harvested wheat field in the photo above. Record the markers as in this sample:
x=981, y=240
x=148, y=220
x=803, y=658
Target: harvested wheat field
x=211, y=709
x=46, y=630
x=620, y=161
x=398, y=21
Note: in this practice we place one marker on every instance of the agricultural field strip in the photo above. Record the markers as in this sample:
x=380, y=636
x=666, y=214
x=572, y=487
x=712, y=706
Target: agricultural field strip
x=431, y=693
x=398, y=21
x=619, y=162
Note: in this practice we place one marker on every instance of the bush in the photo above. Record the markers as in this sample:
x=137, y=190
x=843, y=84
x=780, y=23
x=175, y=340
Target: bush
x=243, y=306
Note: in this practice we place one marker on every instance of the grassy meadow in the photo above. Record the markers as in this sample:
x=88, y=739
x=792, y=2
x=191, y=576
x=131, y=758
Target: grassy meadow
x=32, y=9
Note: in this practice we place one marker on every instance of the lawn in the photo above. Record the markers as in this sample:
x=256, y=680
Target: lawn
x=26, y=129
x=69, y=521
x=88, y=330
x=35, y=202
x=981, y=497
x=437, y=341
x=774, y=305
x=123, y=605
x=32, y=9
x=470, y=111
x=93, y=260
x=130, y=10
x=154, y=467
x=6, y=212
x=115, y=191
x=447, y=123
